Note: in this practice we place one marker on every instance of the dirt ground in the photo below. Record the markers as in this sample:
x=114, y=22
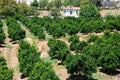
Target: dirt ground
x=109, y=12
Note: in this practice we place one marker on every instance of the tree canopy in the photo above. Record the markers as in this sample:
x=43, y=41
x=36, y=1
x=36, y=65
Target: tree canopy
x=5, y=72
x=43, y=71
x=89, y=11
x=27, y=56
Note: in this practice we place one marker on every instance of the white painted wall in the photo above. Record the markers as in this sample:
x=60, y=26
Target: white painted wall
x=68, y=13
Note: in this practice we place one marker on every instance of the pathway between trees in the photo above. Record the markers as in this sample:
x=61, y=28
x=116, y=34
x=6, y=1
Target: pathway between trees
x=42, y=46
x=10, y=53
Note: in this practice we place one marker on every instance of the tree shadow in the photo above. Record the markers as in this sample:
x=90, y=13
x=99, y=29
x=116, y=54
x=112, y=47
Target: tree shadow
x=23, y=76
x=14, y=42
x=60, y=63
x=2, y=46
x=77, y=77
x=112, y=73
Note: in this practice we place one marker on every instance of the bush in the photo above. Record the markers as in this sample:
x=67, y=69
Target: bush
x=42, y=71
x=5, y=72
x=80, y=64
x=34, y=25
x=58, y=49
x=14, y=30
x=92, y=38
x=74, y=39
x=89, y=11
x=27, y=57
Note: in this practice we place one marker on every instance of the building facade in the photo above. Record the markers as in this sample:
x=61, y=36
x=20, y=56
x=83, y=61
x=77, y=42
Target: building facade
x=71, y=11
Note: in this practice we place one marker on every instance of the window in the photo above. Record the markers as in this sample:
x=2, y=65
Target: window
x=70, y=12
x=77, y=12
x=64, y=11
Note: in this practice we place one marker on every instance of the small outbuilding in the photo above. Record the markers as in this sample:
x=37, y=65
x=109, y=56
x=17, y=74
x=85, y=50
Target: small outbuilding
x=70, y=11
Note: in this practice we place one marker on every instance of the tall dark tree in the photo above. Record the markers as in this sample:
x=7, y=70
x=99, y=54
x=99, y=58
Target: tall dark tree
x=34, y=3
x=89, y=11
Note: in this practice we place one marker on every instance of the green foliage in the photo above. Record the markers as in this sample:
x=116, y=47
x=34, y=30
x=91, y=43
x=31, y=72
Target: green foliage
x=23, y=9
x=35, y=25
x=92, y=26
x=80, y=64
x=58, y=49
x=92, y=38
x=55, y=30
x=11, y=8
x=105, y=50
x=74, y=39
x=27, y=56
x=109, y=62
x=75, y=3
x=55, y=4
x=43, y=71
x=84, y=2
x=55, y=12
x=14, y=30
x=78, y=46
x=75, y=44
x=2, y=34
x=34, y=3
x=43, y=4
x=89, y=11
x=5, y=72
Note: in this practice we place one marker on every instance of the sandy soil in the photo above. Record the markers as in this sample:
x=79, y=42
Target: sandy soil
x=109, y=12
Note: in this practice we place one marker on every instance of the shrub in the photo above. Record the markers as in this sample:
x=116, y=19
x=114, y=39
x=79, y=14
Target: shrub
x=27, y=56
x=5, y=72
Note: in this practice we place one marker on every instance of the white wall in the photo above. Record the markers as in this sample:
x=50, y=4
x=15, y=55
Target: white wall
x=68, y=13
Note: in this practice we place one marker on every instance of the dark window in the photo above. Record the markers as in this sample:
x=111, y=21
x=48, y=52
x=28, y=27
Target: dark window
x=76, y=12
x=70, y=12
x=64, y=11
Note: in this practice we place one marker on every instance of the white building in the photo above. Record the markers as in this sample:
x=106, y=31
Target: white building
x=71, y=11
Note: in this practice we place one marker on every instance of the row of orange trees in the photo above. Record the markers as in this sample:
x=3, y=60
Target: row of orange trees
x=34, y=26
x=97, y=51
x=32, y=65
x=14, y=30
x=5, y=72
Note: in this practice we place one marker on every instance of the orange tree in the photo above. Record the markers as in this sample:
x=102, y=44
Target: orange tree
x=5, y=72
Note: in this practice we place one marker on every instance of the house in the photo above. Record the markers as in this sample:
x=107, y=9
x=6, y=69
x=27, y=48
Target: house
x=108, y=4
x=70, y=11
x=111, y=4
